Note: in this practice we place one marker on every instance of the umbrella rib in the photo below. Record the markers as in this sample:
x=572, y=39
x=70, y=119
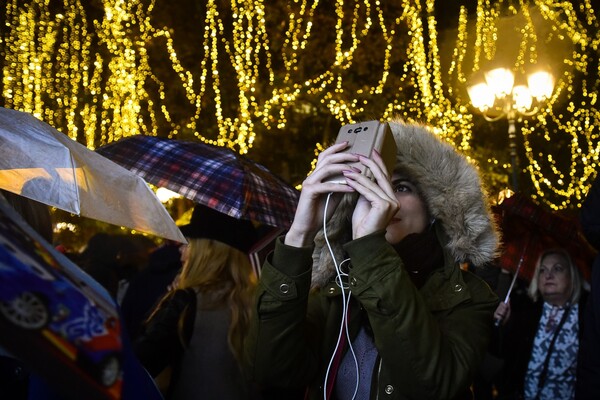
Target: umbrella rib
x=512, y=284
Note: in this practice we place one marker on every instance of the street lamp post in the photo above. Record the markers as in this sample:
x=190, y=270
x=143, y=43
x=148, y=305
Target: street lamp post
x=499, y=94
x=512, y=147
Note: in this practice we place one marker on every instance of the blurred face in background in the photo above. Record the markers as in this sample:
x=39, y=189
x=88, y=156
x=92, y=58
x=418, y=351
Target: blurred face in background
x=554, y=280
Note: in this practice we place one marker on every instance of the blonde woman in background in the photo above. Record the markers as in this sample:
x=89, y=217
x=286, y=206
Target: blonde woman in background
x=541, y=336
x=197, y=328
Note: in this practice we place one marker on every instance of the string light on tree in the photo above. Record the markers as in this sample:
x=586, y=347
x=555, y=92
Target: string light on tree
x=92, y=77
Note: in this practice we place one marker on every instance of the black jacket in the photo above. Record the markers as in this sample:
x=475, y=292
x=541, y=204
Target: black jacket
x=588, y=362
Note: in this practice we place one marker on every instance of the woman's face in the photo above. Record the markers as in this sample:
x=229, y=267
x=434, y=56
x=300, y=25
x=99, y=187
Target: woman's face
x=412, y=217
x=554, y=280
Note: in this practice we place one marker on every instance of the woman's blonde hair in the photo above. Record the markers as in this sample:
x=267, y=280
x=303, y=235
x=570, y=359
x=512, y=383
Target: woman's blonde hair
x=226, y=274
x=576, y=281
x=225, y=277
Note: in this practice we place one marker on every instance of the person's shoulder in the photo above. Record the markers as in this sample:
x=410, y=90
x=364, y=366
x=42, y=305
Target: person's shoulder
x=478, y=287
x=186, y=294
x=178, y=298
x=471, y=278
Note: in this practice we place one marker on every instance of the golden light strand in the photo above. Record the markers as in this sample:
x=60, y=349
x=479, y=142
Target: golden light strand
x=98, y=97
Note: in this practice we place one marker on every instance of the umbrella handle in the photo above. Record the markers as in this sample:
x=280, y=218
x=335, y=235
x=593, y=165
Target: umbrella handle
x=514, y=279
x=510, y=288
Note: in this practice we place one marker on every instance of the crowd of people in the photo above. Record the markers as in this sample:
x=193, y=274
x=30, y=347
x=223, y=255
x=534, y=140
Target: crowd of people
x=376, y=291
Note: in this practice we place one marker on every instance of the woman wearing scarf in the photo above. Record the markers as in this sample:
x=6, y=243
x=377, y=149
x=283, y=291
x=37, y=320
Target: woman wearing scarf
x=541, y=337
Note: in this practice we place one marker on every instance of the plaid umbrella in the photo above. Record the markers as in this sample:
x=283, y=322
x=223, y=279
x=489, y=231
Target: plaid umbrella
x=528, y=229
x=214, y=176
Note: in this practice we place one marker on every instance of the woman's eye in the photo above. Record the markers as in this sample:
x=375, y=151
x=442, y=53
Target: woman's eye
x=402, y=187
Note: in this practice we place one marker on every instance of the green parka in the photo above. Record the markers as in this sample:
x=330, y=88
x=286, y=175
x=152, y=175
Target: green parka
x=430, y=341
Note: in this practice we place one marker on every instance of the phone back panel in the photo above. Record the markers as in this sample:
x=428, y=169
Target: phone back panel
x=363, y=138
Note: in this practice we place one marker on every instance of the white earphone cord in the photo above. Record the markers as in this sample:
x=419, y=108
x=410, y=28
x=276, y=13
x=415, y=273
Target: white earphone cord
x=345, y=302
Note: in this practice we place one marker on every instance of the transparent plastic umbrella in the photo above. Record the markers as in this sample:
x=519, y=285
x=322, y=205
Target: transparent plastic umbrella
x=41, y=163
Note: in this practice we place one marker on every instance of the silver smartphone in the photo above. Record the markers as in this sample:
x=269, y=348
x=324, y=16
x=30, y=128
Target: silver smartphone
x=363, y=138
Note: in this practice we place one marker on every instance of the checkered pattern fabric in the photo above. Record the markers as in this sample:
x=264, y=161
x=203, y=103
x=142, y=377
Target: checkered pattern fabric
x=214, y=176
x=528, y=229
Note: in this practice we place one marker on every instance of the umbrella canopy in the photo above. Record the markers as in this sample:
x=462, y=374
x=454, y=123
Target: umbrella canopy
x=43, y=164
x=528, y=229
x=61, y=323
x=214, y=176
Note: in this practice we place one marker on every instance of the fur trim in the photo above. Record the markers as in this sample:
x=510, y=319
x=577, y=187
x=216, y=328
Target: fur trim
x=449, y=185
x=452, y=190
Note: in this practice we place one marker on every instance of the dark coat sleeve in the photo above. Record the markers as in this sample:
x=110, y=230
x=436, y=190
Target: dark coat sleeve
x=277, y=349
x=590, y=215
x=588, y=362
x=159, y=345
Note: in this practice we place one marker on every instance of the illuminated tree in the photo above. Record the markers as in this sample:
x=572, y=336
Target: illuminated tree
x=277, y=79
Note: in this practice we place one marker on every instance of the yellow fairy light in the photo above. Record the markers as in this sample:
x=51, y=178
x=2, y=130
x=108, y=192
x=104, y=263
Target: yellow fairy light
x=93, y=78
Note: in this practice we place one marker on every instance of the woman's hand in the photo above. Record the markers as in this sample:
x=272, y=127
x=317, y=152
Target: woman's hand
x=502, y=313
x=309, y=212
x=377, y=203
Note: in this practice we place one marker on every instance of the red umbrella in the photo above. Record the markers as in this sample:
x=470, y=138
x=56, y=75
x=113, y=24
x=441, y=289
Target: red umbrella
x=528, y=229
x=214, y=176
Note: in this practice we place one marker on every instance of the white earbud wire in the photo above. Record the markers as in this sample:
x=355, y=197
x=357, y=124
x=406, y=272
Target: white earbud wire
x=345, y=301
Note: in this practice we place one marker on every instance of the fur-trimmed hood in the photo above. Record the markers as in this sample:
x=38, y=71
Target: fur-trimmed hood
x=449, y=185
